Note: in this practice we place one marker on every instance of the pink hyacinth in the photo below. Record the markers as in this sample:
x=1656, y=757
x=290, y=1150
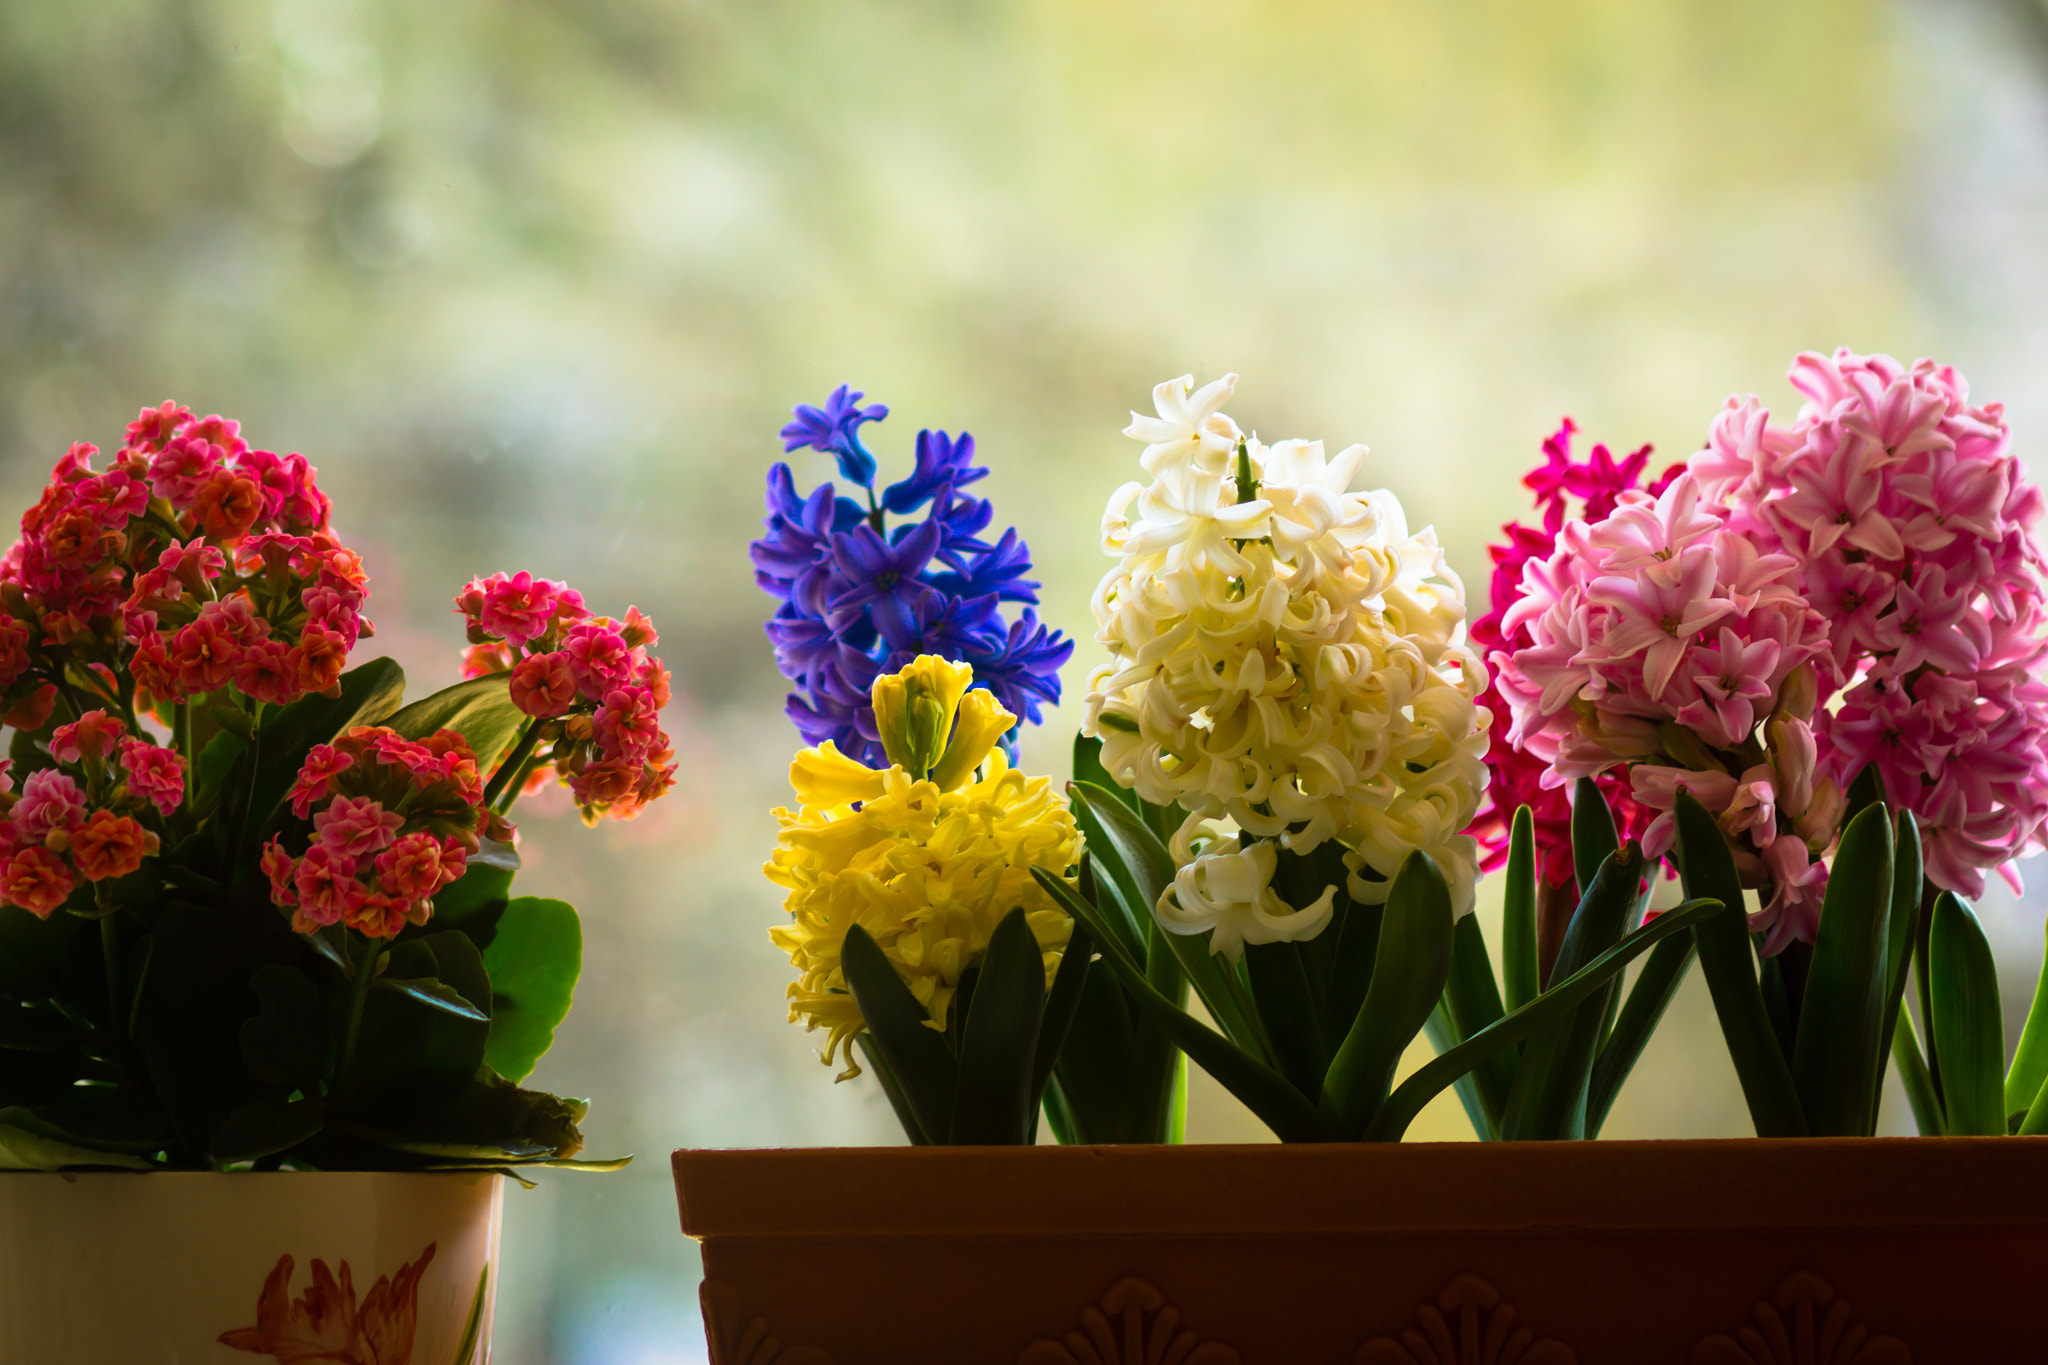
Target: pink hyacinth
x=1877, y=551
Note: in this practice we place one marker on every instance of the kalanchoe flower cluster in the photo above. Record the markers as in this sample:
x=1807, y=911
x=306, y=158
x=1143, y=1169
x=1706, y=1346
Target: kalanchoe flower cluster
x=1516, y=775
x=927, y=852
x=1286, y=656
x=88, y=818
x=593, y=690
x=861, y=598
x=192, y=561
x=1860, y=587
x=393, y=820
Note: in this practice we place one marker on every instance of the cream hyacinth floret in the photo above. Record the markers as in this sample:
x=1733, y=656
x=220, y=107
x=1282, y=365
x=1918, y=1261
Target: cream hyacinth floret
x=1285, y=657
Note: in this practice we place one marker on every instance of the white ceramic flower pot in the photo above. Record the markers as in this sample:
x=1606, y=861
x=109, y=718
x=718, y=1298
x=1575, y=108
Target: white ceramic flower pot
x=192, y=1268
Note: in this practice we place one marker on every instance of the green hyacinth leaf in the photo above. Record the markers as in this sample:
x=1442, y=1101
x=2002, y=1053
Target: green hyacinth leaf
x=1152, y=870
x=1908, y=877
x=1472, y=1001
x=993, y=1100
x=1841, y=1023
x=1520, y=963
x=917, y=1054
x=1594, y=838
x=1257, y=1086
x=1548, y=1100
x=2030, y=1061
x=1648, y=999
x=1969, y=1035
x=1413, y=963
x=1559, y=1002
x=1727, y=960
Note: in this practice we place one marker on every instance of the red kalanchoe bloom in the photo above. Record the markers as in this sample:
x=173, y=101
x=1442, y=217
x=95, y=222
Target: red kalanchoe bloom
x=594, y=692
x=37, y=880
x=110, y=845
x=394, y=821
x=91, y=737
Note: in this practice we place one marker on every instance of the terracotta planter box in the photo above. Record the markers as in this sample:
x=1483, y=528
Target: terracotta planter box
x=1823, y=1252
x=196, y=1268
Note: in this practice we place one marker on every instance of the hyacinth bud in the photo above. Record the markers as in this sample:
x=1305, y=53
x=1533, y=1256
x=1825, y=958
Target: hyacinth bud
x=1800, y=693
x=914, y=710
x=1793, y=758
x=1688, y=748
x=1823, y=816
x=981, y=722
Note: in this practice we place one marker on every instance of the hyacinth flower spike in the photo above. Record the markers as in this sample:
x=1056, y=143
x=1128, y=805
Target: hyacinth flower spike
x=1332, y=925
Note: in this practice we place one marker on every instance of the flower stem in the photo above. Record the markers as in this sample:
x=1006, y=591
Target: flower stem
x=110, y=948
x=359, y=995
x=181, y=739
x=514, y=762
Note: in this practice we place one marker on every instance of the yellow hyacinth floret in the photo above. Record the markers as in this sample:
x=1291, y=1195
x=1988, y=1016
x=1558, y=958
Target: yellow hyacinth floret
x=927, y=855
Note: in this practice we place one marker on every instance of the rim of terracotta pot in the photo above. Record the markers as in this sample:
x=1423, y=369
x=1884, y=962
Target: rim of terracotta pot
x=1362, y=1187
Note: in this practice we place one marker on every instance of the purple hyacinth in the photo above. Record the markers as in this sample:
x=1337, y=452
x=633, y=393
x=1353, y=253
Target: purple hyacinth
x=861, y=597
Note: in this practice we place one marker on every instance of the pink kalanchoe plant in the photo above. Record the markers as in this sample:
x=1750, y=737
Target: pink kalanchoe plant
x=1860, y=588
x=593, y=692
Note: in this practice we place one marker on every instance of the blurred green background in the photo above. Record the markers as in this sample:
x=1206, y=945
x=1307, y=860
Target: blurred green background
x=534, y=283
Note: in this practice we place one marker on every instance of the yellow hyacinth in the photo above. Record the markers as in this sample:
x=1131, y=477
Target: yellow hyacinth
x=927, y=855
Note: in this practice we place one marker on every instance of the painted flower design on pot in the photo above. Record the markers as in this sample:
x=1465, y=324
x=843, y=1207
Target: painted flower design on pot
x=326, y=1326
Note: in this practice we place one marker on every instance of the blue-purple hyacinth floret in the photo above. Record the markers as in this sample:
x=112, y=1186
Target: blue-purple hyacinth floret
x=861, y=597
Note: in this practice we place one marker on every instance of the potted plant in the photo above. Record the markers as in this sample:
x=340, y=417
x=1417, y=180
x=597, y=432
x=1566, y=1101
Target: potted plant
x=266, y=992
x=1796, y=671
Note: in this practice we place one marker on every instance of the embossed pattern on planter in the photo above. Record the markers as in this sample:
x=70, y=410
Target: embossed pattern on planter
x=751, y=1344
x=1791, y=1329
x=1134, y=1325
x=1467, y=1325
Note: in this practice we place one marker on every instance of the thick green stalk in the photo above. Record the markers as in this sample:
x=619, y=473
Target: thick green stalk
x=513, y=764
x=359, y=995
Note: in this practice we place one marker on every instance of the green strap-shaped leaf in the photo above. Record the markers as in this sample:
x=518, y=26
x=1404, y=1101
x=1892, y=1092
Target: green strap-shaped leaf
x=2035, y=1123
x=1443, y=1035
x=1548, y=1100
x=1061, y=1004
x=993, y=1102
x=892, y=1089
x=479, y=709
x=1969, y=1035
x=1927, y=1115
x=1651, y=995
x=534, y=959
x=1417, y=931
x=1094, y=1069
x=2030, y=1061
x=1841, y=1022
x=1900, y=928
x=1707, y=868
x=1058, y=1116
x=1564, y=996
x=1594, y=838
x=1280, y=991
x=1473, y=1002
x=1518, y=951
x=917, y=1053
x=1152, y=870
x=1116, y=885
x=1257, y=1086
x=1151, y=1095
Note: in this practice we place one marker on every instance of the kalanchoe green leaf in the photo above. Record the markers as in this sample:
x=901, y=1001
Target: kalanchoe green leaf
x=534, y=959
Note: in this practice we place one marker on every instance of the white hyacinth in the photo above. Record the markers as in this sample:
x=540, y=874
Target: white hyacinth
x=1293, y=662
